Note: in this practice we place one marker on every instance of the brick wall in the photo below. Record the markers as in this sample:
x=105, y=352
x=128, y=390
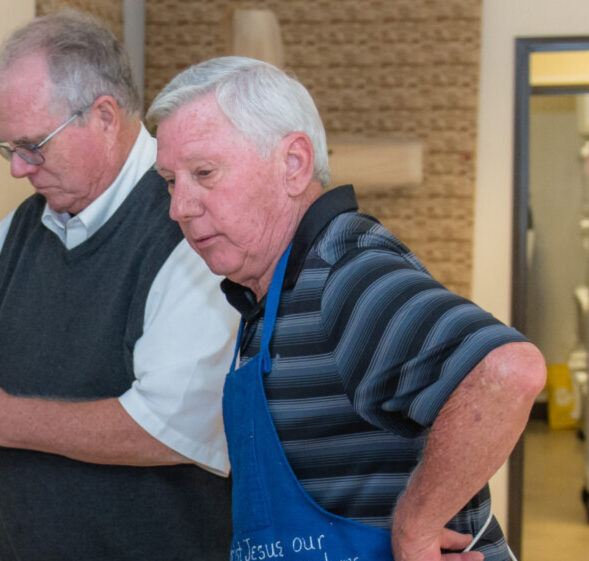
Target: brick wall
x=404, y=68
x=110, y=11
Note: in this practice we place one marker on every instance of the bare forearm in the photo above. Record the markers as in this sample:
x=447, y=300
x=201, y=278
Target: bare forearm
x=473, y=435
x=91, y=431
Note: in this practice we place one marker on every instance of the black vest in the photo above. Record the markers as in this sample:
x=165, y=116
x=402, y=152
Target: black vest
x=69, y=320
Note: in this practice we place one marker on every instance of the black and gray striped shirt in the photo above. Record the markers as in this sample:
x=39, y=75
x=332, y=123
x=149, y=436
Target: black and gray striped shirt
x=366, y=349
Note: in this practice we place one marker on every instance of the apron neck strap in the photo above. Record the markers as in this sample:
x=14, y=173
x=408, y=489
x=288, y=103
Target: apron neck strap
x=272, y=301
x=270, y=311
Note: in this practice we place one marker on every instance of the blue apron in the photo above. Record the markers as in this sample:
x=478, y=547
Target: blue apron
x=273, y=516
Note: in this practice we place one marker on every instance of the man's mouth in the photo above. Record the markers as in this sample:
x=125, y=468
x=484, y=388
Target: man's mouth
x=203, y=241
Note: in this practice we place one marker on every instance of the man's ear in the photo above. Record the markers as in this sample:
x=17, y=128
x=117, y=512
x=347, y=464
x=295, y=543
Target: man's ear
x=108, y=112
x=299, y=159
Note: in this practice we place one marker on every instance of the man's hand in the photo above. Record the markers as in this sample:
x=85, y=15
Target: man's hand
x=472, y=436
x=429, y=548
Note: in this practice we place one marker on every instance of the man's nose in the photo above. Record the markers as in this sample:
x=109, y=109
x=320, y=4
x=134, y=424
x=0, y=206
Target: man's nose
x=185, y=203
x=19, y=168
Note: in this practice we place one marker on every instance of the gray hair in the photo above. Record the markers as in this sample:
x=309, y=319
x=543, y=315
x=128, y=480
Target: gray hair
x=84, y=58
x=261, y=101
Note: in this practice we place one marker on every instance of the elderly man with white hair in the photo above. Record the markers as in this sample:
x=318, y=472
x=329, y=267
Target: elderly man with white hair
x=371, y=405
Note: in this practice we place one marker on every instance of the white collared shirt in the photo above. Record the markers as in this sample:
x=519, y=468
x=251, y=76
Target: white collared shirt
x=74, y=230
x=179, y=373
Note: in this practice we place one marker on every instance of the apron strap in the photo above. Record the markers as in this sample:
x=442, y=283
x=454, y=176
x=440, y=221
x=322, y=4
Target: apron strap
x=236, y=350
x=272, y=301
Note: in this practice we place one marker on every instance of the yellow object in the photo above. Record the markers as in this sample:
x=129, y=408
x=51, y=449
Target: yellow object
x=561, y=401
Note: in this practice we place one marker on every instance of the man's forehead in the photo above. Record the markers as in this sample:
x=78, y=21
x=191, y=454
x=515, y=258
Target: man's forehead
x=203, y=113
x=28, y=70
x=24, y=123
x=24, y=89
x=200, y=120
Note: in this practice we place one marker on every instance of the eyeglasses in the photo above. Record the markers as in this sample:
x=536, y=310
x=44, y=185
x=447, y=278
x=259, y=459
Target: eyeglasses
x=30, y=153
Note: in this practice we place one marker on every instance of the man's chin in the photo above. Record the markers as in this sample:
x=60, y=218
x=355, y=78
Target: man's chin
x=219, y=266
x=64, y=207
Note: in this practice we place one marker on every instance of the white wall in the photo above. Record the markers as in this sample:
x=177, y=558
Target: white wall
x=12, y=191
x=558, y=262
x=502, y=22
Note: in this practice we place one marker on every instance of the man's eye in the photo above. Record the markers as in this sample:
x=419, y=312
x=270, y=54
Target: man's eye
x=27, y=146
x=204, y=172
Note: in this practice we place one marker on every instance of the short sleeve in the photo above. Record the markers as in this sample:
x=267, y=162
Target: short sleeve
x=402, y=342
x=181, y=361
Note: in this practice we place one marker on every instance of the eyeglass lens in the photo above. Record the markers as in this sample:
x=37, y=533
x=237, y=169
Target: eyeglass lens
x=29, y=155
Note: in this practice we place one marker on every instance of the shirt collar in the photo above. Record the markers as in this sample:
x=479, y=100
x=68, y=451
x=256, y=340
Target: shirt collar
x=318, y=216
x=95, y=215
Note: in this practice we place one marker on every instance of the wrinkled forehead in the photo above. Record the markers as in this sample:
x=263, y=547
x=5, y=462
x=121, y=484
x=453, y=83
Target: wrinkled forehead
x=202, y=113
x=199, y=122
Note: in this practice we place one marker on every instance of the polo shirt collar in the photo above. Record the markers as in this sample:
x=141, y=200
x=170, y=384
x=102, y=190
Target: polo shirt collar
x=331, y=204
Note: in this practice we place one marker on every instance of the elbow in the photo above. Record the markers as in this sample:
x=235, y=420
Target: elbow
x=534, y=371
x=524, y=370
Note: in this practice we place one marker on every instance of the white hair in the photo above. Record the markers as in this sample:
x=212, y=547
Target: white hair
x=261, y=101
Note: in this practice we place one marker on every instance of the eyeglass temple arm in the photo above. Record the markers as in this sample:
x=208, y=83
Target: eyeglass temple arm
x=61, y=127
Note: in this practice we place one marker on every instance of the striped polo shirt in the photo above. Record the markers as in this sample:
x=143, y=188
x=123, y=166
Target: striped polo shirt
x=366, y=350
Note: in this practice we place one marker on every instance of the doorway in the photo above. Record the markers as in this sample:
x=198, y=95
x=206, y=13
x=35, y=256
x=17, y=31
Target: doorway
x=528, y=96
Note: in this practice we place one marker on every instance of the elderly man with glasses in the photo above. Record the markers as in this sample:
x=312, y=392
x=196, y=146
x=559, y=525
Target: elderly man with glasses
x=30, y=153
x=114, y=335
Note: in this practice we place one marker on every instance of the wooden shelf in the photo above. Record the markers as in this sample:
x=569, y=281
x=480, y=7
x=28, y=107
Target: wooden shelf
x=376, y=164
